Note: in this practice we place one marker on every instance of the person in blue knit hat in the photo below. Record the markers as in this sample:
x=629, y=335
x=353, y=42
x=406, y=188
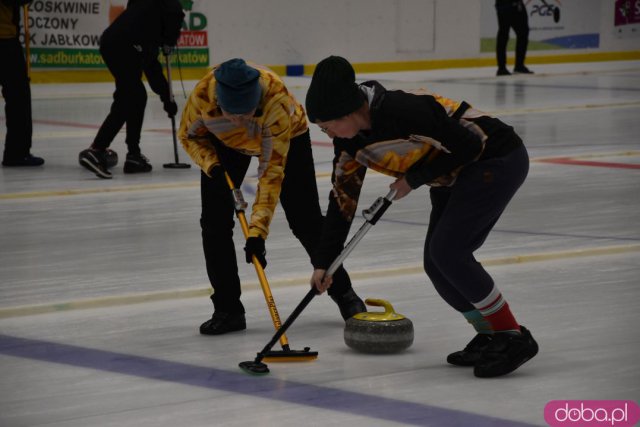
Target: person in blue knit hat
x=237, y=112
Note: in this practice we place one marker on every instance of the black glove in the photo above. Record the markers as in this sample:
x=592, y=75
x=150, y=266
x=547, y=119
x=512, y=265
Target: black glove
x=255, y=246
x=170, y=107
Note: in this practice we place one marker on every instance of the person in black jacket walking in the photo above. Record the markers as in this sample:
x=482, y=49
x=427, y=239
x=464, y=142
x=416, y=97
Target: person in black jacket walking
x=16, y=91
x=474, y=165
x=130, y=46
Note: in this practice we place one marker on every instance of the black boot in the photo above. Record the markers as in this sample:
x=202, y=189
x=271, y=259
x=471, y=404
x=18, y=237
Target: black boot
x=349, y=304
x=506, y=353
x=221, y=323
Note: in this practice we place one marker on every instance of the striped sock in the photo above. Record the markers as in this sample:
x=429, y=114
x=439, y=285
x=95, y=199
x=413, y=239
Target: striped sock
x=479, y=323
x=496, y=311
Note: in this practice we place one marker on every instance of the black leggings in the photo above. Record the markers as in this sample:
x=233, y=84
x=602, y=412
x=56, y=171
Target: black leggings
x=461, y=218
x=129, y=98
x=299, y=199
x=511, y=14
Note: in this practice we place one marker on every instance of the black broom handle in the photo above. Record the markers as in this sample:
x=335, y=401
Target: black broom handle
x=372, y=215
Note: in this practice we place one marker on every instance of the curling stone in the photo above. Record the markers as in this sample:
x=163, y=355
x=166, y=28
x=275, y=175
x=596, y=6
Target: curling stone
x=378, y=332
x=112, y=158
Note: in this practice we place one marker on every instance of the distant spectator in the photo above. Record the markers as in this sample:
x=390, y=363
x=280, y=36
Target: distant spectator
x=512, y=14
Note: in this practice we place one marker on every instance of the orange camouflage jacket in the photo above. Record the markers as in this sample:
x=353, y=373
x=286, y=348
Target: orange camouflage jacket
x=266, y=136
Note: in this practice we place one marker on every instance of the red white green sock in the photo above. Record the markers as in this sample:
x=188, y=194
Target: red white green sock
x=496, y=311
x=479, y=323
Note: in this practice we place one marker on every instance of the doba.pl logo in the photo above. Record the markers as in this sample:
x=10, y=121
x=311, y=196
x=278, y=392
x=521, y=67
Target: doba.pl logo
x=592, y=413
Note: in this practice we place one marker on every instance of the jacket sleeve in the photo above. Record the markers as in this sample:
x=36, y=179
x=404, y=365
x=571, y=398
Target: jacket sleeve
x=347, y=178
x=276, y=133
x=153, y=70
x=459, y=145
x=171, y=22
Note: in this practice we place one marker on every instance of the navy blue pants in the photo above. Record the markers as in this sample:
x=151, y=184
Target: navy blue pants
x=299, y=199
x=461, y=218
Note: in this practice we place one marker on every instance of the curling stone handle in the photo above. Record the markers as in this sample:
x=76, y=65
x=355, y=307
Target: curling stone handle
x=388, y=308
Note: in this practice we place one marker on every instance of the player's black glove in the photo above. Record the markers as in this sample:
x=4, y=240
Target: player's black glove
x=170, y=107
x=255, y=246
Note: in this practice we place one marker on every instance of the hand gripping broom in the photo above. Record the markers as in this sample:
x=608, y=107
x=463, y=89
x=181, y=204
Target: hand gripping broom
x=371, y=215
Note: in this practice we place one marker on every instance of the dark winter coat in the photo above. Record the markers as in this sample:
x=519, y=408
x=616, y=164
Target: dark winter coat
x=424, y=137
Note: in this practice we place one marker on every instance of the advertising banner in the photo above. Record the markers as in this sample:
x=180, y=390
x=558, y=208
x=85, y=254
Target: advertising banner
x=553, y=24
x=66, y=33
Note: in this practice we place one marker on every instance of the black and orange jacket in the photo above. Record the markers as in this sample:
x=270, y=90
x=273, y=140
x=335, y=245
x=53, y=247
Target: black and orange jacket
x=424, y=137
x=267, y=137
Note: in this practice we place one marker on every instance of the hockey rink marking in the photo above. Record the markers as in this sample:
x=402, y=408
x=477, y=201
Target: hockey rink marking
x=112, y=301
x=575, y=162
x=195, y=184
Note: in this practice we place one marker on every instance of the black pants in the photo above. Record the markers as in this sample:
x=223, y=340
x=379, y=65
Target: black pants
x=129, y=98
x=299, y=199
x=461, y=218
x=512, y=14
x=17, y=96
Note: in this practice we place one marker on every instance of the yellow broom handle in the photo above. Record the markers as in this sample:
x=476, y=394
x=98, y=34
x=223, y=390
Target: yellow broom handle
x=264, y=284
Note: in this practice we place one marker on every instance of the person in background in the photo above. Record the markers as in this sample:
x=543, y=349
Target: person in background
x=473, y=163
x=236, y=112
x=512, y=14
x=16, y=89
x=130, y=47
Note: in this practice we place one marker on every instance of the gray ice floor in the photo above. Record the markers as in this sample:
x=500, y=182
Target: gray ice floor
x=103, y=286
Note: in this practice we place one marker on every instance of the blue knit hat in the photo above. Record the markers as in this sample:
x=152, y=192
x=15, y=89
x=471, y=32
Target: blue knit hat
x=237, y=86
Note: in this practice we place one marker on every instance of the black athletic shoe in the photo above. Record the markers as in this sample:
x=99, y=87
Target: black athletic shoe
x=472, y=352
x=95, y=161
x=349, y=304
x=503, y=72
x=506, y=353
x=28, y=160
x=522, y=70
x=221, y=323
x=137, y=163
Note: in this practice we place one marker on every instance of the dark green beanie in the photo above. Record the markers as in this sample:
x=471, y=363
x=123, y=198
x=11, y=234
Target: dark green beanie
x=333, y=92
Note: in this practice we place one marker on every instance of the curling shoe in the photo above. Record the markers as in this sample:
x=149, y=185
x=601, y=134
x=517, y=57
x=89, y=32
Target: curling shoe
x=96, y=162
x=28, y=160
x=522, y=70
x=505, y=353
x=472, y=352
x=349, y=304
x=222, y=322
x=137, y=163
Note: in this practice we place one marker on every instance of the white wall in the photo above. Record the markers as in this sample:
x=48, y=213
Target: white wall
x=305, y=31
